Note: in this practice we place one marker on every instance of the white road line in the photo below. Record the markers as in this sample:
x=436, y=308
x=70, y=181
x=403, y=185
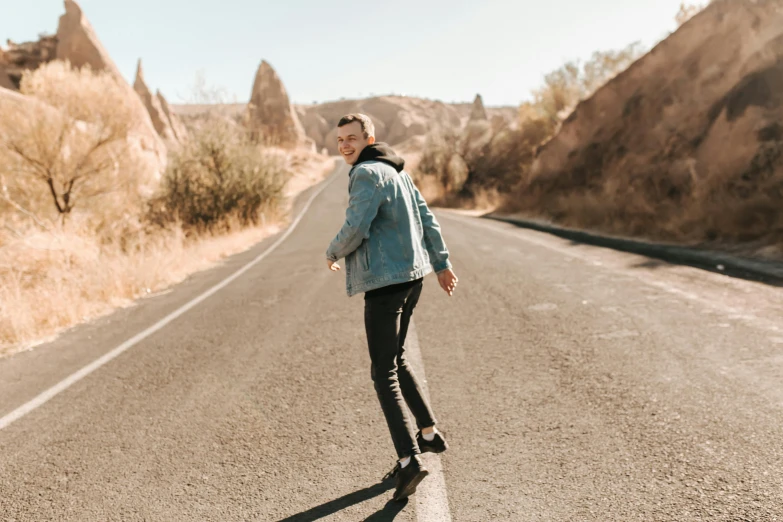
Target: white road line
x=63, y=385
x=432, y=502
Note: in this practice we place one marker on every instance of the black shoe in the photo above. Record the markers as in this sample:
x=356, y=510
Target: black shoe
x=436, y=445
x=408, y=478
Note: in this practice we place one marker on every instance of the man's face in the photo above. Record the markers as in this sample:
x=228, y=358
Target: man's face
x=351, y=141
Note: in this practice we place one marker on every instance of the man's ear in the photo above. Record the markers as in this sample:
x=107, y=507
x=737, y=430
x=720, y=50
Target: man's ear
x=371, y=140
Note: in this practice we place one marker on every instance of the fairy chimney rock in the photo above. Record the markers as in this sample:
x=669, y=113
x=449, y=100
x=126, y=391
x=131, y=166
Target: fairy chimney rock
x=272, y=118
x=152, y=104
x=177, y=127
x=478, y=112
x=78, y=43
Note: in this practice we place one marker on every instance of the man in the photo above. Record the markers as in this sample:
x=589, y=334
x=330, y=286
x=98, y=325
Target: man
x=390, y=241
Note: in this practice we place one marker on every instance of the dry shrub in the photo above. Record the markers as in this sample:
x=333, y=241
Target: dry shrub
x=62, y=153
x=65, y=152
x=69, y=147
x=563, y=88
x=52, y=280
x=440, y=148
x=217, y=179
x=742, y=213
x=478, y=165
x=687, y=11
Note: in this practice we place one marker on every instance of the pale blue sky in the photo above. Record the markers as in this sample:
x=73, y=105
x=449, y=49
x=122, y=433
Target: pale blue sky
x=447, y=50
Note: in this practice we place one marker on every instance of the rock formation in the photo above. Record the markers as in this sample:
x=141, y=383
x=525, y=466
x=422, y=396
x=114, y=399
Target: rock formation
x=78, y=44
x=396, y=118
x=177, y=127
x=478, y=112
x=15, y=59
x=13, y=100
x=167, y=125
x=315, y=126
x=271, y=117
x=152, y=103
x=695, y=124
x=5, y=81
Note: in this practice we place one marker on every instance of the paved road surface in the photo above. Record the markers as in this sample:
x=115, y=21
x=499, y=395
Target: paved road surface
x=574, y=383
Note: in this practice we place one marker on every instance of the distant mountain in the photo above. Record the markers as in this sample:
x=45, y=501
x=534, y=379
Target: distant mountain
x=397, y=119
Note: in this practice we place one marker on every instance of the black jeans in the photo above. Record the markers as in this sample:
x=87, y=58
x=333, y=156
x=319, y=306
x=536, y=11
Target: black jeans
x=386, y=319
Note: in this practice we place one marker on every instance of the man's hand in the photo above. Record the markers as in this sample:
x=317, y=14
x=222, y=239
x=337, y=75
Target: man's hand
x=448, y=280
x=333, y=266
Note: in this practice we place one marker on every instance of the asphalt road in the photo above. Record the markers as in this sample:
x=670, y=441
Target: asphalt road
x=573, y=382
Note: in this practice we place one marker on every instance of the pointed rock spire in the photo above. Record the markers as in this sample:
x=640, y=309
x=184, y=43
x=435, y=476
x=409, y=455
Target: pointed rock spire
x=272, y=118
x=177, y=127
x=78, y=44
x=478, y=112
x=152, y=104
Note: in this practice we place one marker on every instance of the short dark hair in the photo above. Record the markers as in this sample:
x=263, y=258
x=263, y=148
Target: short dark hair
x=368, y=128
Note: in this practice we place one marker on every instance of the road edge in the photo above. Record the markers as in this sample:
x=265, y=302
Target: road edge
x=769, y=272
x=42, y=398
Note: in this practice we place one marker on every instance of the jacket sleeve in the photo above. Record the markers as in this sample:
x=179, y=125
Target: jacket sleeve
x=433, y=239
x=362, y=208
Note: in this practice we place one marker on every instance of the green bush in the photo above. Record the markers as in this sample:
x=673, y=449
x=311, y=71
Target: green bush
x=218, y=179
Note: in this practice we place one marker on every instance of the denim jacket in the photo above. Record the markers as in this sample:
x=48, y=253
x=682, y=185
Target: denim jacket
x=390, y=235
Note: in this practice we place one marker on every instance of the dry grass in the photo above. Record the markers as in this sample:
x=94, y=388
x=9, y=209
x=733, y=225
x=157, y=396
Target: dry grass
x=68, y=277
x=75, y=242
x=73, y=146
x=742, y=216
x=474, y=169
x=52, y=280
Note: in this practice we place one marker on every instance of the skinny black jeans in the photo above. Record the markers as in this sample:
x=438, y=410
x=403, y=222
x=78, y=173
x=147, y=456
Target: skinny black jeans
x=386, y=320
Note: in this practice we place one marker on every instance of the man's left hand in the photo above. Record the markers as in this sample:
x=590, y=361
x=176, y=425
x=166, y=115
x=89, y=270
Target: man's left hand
x=448, y=280
x=333, y=266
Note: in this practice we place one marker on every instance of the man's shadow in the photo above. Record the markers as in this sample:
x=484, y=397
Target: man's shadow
x=387, y=514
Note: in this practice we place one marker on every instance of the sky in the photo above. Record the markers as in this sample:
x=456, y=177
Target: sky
x=448, y=50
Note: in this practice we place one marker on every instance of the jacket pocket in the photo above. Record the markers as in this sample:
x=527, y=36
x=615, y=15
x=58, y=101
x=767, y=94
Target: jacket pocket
x=366, y=257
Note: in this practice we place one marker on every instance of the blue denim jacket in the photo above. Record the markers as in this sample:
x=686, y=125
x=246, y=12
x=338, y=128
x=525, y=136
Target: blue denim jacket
x=390, y=235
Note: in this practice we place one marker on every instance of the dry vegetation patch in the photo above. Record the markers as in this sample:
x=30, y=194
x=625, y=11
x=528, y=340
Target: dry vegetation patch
x=83, y=230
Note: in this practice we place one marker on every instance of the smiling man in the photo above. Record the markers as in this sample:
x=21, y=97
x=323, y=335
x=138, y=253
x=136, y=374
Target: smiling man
x=390, y=240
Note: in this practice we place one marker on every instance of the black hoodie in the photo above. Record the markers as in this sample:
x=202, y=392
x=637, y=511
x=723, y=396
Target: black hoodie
x=383, y=153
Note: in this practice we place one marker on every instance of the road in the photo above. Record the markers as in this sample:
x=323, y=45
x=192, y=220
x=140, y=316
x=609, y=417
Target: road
x=573, y=382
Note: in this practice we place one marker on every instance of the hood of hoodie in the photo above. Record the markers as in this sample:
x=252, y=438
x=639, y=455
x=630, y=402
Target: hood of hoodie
x=383, y=153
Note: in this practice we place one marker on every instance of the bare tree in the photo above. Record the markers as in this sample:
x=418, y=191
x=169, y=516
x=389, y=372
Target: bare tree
x=73, y=147
x=71, y=158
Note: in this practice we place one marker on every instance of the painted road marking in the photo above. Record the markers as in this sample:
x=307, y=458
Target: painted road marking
x=75, y=377
x=432, y=502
